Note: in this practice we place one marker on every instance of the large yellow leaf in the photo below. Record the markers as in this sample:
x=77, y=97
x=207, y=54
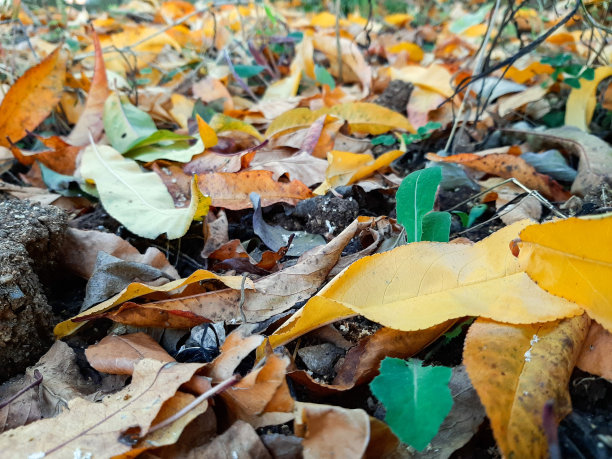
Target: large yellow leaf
x=516, y=370
x=30, y=100
x=362, y=117
x=573, y=259
x=581, y=102
x=435, y=77
x=422, y=284
x=288, y=86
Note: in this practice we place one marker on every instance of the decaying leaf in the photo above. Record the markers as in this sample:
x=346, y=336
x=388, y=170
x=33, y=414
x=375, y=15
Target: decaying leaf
x=516, y=370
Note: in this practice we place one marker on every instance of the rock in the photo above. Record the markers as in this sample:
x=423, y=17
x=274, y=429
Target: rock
x=326, y=214
x=320, y=359
x=30, y=238
x=396, y=96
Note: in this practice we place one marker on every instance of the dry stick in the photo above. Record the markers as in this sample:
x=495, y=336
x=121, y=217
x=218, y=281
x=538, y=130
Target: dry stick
x=36, y=382
x=338, y=47
x=591, y=20
x=477, y=70
x=533, y=193
x=507, y=62
x=229, y=382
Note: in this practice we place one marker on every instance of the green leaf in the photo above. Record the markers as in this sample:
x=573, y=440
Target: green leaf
x=572, y=69
x=248, y=71
x=588, y=74
x=324, y=77
x=162, y=136
x=385, y=139
x=436, y=227
x=476, y=212
x=270, y=14
x=417, y=399
x=558, y=60
x=466, y=21
x=415, y=198
x=573, y=82
x=462, y=216
x=180, y=152
x=137, y=199
x=125, y=125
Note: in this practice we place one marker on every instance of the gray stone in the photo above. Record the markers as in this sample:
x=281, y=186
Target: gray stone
x=320, y=359
x=327, y=214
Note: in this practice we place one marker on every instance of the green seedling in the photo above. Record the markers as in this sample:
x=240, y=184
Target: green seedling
x=572, y=73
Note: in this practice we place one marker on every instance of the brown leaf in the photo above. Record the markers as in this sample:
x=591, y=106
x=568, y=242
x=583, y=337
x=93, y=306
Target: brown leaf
x=595, y=355
x=332, y=431
x=240, y=440
x=231, y=190
x=507, y=166
x=97, y=427
x=30, y=100
x=90, y=121
x=118, y=354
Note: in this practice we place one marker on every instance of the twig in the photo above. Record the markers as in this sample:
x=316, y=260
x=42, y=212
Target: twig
x=477, y=70
x=222, y=386
x=242, y=298
x=591, y=20
x=338, y=46
x=507, y=62
x=36, y=382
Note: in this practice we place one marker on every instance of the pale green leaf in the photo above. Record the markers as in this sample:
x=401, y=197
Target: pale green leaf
x=180, y=152
x=137, y=199
x=415, y=198
x=124, y=124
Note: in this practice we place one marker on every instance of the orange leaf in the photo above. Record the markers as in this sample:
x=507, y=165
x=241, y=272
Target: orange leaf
x=596, y=351
x=30, y=100
x=506, y=166
x=207, y=134
x=91, y=118
x=61, y=157
x=231, y=190
x=117, y=354
x=516, y=370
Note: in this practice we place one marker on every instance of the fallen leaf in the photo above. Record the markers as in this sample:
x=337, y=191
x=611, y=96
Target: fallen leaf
x=118, y=354
x=332, y=431
x=240, y=440
x=209, y=89
x=595, y=352
x=231, y=190
x=80, y=250
x=137, y=289
x=139, y=200
x=434, y=77
x=362, y=117
x=30, y=100
x=90, y=121
x=516, y=370
x=507, y=166
x=207, y=134
x=575, y=268
x=416, y=399
x=97, y=427
x=301, y=166
x=403, y=284
x=582, y=101
x=125, y=125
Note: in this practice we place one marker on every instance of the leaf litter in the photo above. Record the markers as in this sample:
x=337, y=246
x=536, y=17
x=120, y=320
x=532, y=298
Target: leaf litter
x=303, y=233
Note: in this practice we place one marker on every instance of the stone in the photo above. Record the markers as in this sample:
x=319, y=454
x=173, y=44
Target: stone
x=320, y=359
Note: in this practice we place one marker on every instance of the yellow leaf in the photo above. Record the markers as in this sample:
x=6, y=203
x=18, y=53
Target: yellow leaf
x=573, y=259
x=346, y=168
x=516, y=370
x=362, y=117
x=419, y=285
x=435, y=77
x=323, y=19
x=136, y=289
x=182, y=108
x=288, y=87
x=207, y=134
x=414, y=51
x=222, y=123
x=581, y=102
x=398, y=19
